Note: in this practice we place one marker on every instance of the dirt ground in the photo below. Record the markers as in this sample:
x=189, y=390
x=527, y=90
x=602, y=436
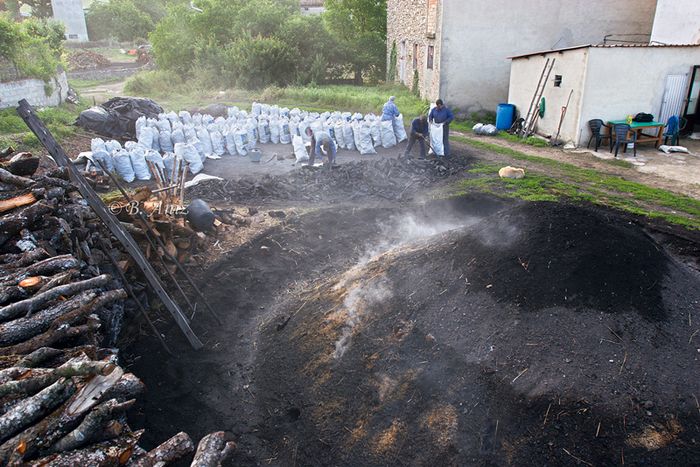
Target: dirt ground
x=393, y=329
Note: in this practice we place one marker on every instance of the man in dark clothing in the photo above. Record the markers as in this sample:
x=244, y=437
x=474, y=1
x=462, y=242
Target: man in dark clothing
x=442, y=115
x=419, y=132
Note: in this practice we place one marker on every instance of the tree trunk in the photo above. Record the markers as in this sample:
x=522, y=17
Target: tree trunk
x=173, y=449
x=36, y=302
x=212, y=450
x=31, y=409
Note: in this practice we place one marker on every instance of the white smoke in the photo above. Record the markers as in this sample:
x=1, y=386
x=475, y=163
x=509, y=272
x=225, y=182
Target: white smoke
x=364, y=295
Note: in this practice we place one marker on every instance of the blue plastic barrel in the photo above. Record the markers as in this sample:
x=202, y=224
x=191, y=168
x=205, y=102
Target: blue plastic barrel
x=504, y=116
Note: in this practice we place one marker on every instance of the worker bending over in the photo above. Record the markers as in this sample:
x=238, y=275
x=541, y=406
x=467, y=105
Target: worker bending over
x=321, y=143
x=419, y=132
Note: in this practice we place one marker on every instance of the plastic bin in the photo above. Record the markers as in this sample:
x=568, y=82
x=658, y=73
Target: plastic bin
x=504, y=116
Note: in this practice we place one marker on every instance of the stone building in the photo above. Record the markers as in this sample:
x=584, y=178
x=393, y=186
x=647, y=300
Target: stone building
x=460, y=49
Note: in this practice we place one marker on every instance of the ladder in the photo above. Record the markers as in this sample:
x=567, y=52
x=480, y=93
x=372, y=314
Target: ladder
x=533, y=112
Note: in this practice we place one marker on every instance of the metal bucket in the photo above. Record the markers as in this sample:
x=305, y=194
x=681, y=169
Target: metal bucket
x=255, y=155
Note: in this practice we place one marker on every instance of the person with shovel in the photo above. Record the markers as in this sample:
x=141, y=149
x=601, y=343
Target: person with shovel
x=419, y=134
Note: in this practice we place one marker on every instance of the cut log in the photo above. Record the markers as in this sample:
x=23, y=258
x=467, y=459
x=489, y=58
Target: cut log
x=35, y=379
x=31, y=284
x=47, y=267
x=212, y=450
x=48, y=431
x=38, y=357
x=128, y=387
x=51, y=337
x=59, y=279
x=17, y=202
x=92, y=426
x=36, y=302
x=24, y=164
x=11, y=293
x=33, y=408
x=16, y=261
x=173, y=449
x=21, y=329
x=26, y=217
x=8, y=177
x=108, y=453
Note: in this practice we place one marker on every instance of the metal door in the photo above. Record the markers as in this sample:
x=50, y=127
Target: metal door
x=674, y=97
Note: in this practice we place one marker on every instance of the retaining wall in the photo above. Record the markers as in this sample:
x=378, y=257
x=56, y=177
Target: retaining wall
x=34, y=90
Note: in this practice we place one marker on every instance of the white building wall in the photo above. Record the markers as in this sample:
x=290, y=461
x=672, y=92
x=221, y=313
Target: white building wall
x=34, y=90
x=71, y=14
x=621, y=82
x=677, y=22
x=478, y=38
x=571, y=66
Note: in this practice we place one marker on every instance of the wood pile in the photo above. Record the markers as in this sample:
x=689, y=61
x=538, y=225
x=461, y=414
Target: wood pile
x=63, y=397
x=80, y=59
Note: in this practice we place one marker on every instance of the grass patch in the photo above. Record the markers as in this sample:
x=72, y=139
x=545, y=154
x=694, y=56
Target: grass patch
x=59, y=120
x=579, y=184
x=87, y=84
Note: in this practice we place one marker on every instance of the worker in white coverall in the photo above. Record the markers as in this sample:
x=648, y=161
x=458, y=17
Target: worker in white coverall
x=390, y=111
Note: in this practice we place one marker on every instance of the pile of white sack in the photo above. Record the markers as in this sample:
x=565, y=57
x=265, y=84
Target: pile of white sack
x=485, y=130
x=197, y=137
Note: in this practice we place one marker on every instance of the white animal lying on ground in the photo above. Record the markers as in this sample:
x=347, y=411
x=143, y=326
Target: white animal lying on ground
x=511, y=172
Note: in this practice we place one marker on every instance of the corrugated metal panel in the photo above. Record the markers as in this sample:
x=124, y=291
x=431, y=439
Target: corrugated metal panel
x=674, y=95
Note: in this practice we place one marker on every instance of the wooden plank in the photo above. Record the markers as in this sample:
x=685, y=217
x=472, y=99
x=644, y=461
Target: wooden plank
x=42, y=133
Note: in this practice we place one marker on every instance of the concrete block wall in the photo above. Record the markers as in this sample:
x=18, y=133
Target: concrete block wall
x=34, y=91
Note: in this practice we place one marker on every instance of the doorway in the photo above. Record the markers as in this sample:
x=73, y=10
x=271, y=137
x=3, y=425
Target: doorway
x=692, y=113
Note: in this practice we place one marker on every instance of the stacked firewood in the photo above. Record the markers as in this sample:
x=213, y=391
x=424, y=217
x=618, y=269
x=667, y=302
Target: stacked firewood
x=63, y=397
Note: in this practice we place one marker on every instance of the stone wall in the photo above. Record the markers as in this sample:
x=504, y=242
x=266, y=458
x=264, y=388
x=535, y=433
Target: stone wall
x=34, y=90
x=408, y=22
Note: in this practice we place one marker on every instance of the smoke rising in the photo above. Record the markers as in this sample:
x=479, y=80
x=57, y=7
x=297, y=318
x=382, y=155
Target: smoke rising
x=362, y=294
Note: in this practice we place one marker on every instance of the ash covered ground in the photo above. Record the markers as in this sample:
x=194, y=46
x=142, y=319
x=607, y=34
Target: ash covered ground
x=391, y=329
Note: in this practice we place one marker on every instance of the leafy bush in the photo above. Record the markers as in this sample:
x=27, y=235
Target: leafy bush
x=261, y=61
x=34, y=46
x=119, y=19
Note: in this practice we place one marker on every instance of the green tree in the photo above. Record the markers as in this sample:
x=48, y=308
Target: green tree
x=119, y=19
x=257, y=62
x=360, y=26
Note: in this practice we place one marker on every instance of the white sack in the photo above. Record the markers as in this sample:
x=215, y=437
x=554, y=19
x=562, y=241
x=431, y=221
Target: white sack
x=436, y=139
